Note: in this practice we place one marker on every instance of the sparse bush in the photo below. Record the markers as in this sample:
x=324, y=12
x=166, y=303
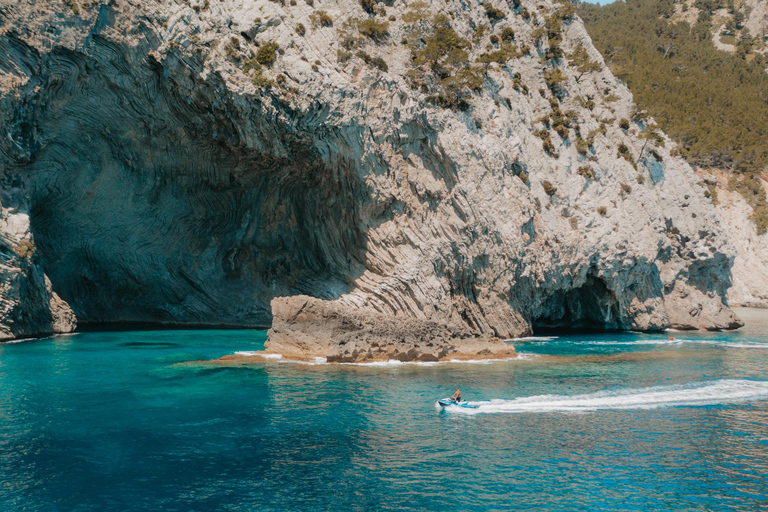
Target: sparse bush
x=368, y=6
x=582, y=146
x=494, y=39
x=251, y=64
x=343, y=56
x=417, y=11
x=376, y=62
x=373, y=28
x=549, y=188
x=267, y=53
x=507, y=35
x=602, y=210
x=321, y=18
x=232, y=48
x=625, y=189
x=624, y=124
x=586, y=172
x=640, y=179
x=583, y=63
x=547, y=144
x=555, y=79
x=301, y=29
x=493, y=13
x=752, y=191
x=261, y=81
x=566, y=11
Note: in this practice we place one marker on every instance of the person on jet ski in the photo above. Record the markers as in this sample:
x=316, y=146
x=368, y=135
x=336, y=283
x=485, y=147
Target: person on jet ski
x=456, y=396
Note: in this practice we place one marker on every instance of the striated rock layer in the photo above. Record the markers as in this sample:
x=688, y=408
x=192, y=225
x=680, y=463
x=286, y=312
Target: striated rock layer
x=165, y=184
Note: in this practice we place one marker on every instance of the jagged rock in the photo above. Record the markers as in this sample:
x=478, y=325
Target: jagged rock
x=307, y=327
x=164, y=184
x=28, y=304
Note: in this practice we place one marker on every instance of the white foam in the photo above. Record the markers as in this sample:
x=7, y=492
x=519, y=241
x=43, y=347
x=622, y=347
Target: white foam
x=256, y=353
x=676, y=341
x=17, y=340
x=720, y=392
x=534, y=338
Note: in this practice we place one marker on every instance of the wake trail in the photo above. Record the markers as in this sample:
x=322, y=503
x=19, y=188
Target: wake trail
x=696, y=394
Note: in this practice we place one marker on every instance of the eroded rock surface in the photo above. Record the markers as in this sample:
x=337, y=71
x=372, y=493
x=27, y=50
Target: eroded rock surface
x=307, y=327
x=750, y=266
x=165, y=184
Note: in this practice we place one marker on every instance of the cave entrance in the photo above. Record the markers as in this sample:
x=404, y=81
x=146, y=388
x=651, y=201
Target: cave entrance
x=589, y=308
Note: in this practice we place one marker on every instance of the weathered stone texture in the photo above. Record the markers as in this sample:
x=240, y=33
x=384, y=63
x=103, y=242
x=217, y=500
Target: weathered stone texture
x=164, y=186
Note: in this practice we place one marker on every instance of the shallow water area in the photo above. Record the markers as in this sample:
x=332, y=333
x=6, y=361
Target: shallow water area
x=615, y=421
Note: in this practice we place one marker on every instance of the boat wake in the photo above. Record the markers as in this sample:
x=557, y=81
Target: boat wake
x=696, y=394
x=675, y=341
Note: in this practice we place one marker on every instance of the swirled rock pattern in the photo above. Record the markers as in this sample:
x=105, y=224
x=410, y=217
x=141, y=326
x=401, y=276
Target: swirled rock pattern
x=163, y=184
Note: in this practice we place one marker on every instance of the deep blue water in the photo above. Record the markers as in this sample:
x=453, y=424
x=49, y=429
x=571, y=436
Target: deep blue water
x=110, y=421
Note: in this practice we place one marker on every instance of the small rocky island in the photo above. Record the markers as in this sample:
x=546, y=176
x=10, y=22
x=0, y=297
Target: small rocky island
x=411, y=181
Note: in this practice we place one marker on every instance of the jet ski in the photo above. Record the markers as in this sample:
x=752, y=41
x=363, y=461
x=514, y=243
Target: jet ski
x=450, y=402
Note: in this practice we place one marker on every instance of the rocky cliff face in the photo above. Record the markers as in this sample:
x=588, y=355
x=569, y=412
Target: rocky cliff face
x=750, y=266
x=167, y=181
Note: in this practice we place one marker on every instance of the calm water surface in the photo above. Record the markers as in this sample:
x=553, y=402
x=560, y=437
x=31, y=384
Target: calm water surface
x=110, y=421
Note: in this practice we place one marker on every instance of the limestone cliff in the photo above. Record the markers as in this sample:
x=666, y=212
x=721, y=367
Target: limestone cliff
x=170, y=177
x=750, y=265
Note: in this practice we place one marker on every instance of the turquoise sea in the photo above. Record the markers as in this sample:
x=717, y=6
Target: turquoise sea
x=612, y=421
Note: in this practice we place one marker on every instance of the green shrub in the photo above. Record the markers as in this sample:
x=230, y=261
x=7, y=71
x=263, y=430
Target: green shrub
x=555, y=79
x=507, y=35
x=373, y=28
x=583, y=63
x=752, y=191
x=417, y=11
x=267, y=53
x=547, y=144
x=251, y=64
x=343, y=56
x=566, y=11
x=376, y=62
x=261, y=81
x=586, y=172
x=321, y=18
x=493, y=13
x=500, y=56
x=301, y=29
x=232, y=48
x=624, y=124
x=368, y=6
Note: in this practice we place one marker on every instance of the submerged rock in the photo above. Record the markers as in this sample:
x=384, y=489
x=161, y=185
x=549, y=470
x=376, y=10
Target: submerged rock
x=169, y=177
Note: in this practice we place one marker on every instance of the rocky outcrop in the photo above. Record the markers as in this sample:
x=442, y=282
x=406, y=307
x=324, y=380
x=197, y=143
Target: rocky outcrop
x=305, y=327
x=167, y=182
x=28, y=304
x=750, y=266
